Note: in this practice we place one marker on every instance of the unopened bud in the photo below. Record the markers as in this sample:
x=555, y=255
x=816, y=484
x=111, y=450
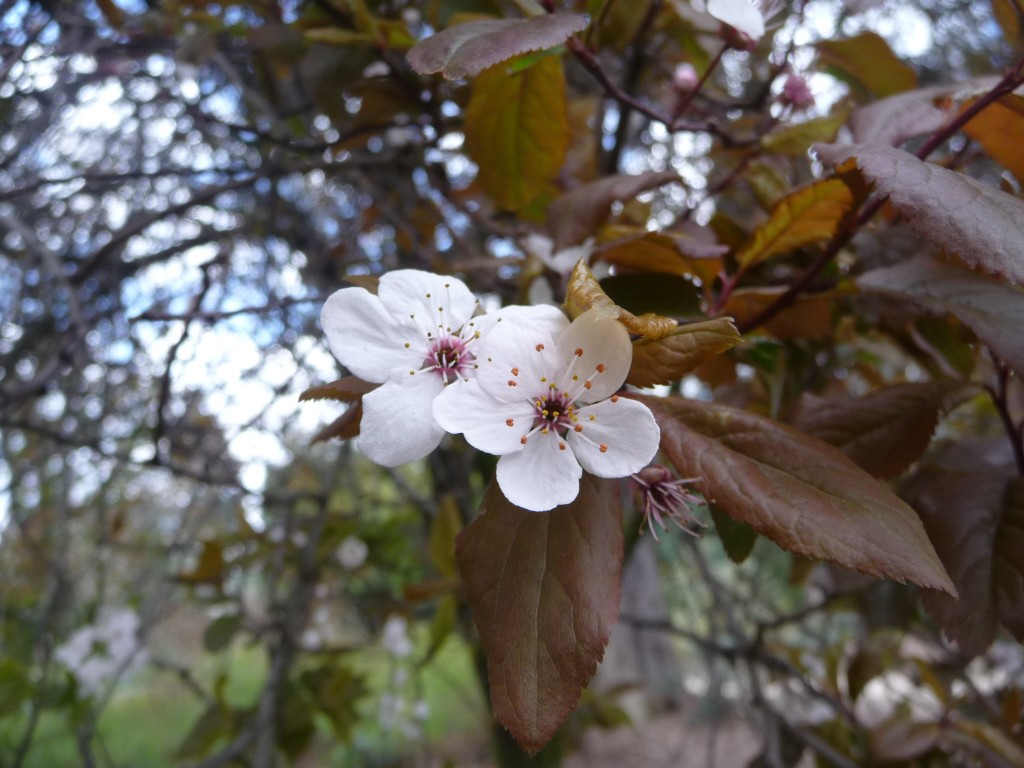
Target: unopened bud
x=797, y=93
x=685, y=78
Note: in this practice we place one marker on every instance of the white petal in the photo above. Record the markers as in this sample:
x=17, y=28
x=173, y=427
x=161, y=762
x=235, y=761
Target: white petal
x=606, y=354
x=741, y=15
x=465, y=408
x=365, y=338
x=541, y=476
x=398, y=425
x=430, y=300
x=626, y=427
x=545, y=316
x=513, y=357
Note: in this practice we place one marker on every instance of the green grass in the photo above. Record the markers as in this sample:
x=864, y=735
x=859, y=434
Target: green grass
x=151, y=714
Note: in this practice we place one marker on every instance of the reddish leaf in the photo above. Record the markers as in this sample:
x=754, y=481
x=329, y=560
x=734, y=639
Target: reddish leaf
x=661, y=361
x=576, y=215
x=956, y=214
x=993, y=310
x=544, y=591
x=345, y=389
x=467, y=49
x=800, y=492
x=517, y=131
x=670, y=253
x=973, y=509
x=885, y=431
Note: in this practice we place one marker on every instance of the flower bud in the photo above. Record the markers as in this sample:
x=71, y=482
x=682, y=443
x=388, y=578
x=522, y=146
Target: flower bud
x=797, y=93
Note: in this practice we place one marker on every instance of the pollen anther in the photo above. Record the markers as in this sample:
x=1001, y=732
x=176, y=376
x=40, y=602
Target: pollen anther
x=539, y=347
x=579, y=351
x=603, y=447
x=510, y=422
x=600, y=367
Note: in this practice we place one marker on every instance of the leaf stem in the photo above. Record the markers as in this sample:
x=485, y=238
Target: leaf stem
x=1001, y=400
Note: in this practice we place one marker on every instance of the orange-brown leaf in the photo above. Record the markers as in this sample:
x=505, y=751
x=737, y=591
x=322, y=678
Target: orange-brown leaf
x=661, y=361
x=583, y=293
x=345, y=389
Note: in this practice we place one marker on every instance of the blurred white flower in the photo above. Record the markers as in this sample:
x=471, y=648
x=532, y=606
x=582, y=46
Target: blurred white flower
x=352, y=553
x=562, y=262
x=100, y=652
x=395, y=637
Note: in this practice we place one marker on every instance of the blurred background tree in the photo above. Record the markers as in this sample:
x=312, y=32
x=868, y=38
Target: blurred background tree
x=182, y=184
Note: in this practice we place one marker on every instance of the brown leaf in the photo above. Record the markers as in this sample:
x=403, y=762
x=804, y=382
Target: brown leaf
x=800, y=492
x=956, y=214
x=883, y=432
x=661, y=361
x=583, y=293
x=576, y=215
x=901, y=738
x=544, y=591
x=670, y=253
x=465, y=50
x=345, y=389
x=809, y=317
x=345, y=427
x=517, y=130
x=866, y=59
x=993, y=310
x=973, y=509
x=897, y=118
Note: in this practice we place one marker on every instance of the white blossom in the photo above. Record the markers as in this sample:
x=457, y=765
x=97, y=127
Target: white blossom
x=562, y=262
x=544, y=401
x=395, y=637
x=98, y=653
x=352, y=553
x=745, y=16
x=414, y=337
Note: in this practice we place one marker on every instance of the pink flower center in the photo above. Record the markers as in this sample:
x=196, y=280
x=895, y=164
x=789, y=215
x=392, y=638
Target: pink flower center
x=448, y=356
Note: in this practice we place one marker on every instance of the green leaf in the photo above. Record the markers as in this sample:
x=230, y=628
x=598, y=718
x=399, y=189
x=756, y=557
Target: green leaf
x=335, y=691
x=661, y=361
x=216, y=722
x=738, y=539
x=973, y=509
x=544, y=592
x=796, y=139
x=577, y=214
x=465, y=50
x=993, y=310
x=800, y=492
x=809, y=215
x=885, y=431
x=956, y=214
x=14, y=686
x=221, y=631
x=517, y=131
x=866, y=60
x=443, y=530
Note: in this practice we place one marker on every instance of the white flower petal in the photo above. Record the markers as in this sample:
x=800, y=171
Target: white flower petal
x=627, y=429
x=540, y=246
x=398, y=425
x=741, y=15
x=606, y=354
x=541, y=476
x=550, y=318
x=365, y=338
x=429, y=300
x=491, y=426
x=513, y=357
